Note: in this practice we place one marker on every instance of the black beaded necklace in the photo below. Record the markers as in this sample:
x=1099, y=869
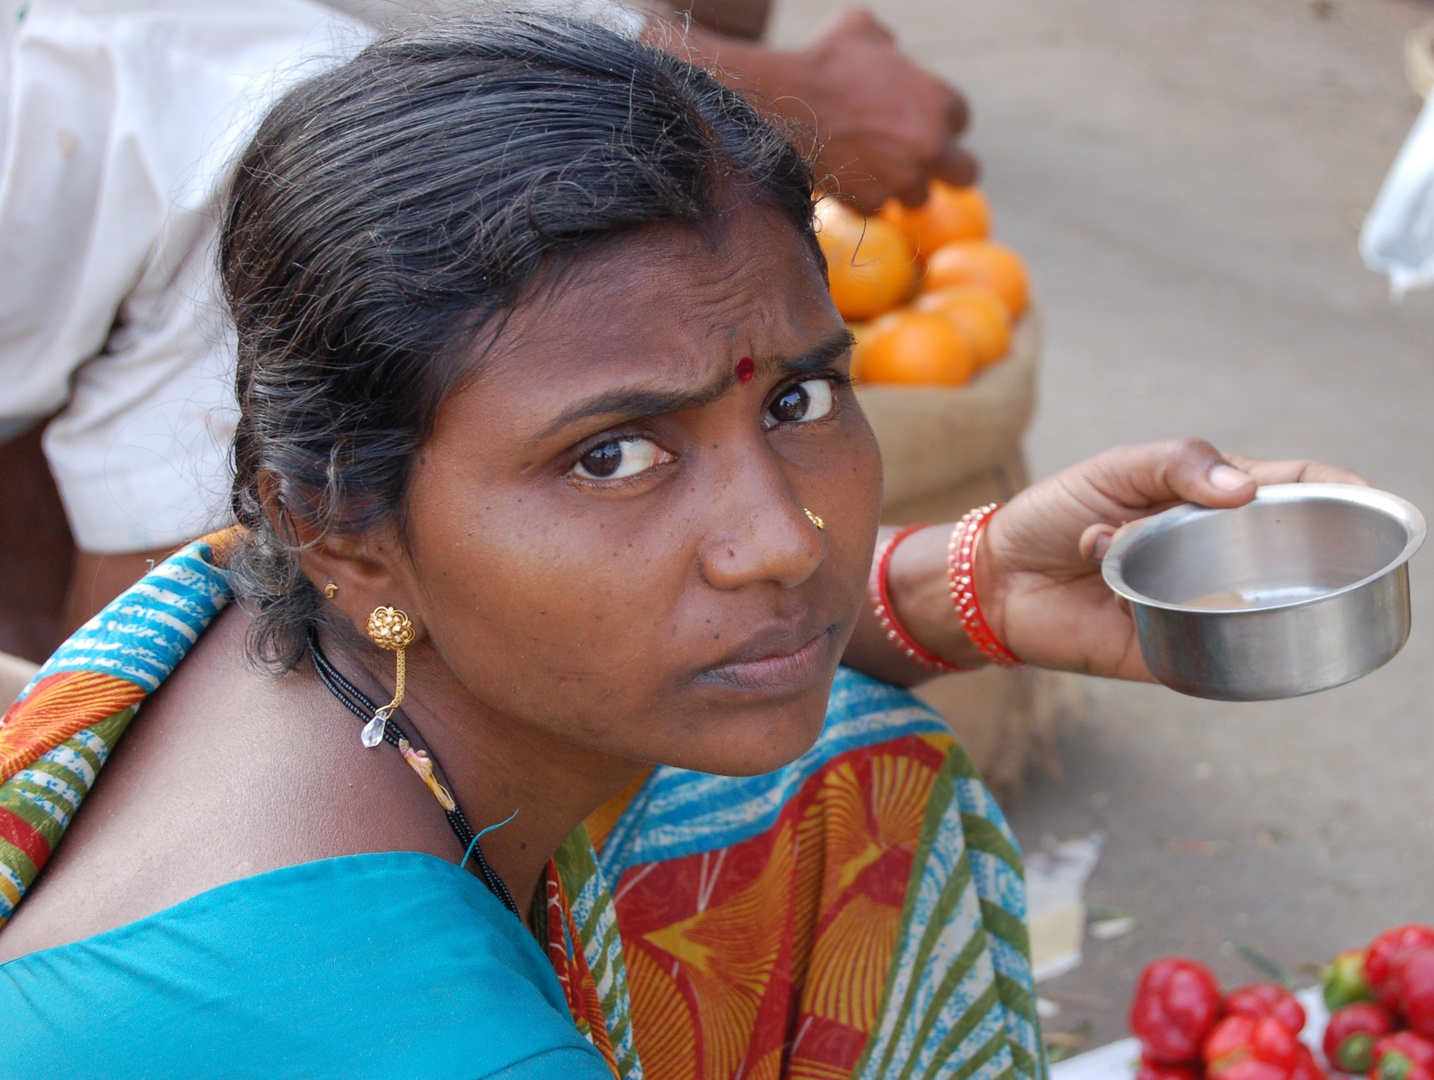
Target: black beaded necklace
x=361, y=706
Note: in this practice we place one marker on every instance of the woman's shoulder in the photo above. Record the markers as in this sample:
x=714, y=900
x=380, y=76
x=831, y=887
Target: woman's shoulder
x=227, y=771
x=382, y=964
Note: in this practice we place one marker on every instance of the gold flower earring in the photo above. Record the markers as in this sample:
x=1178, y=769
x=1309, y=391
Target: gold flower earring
x=331, y=588
x=390, y=629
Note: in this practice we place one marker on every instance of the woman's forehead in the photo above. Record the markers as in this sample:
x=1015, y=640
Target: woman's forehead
x=746, y=255
x=669, y=302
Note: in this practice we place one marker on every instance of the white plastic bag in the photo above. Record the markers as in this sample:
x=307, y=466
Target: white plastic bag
x=1398, y=234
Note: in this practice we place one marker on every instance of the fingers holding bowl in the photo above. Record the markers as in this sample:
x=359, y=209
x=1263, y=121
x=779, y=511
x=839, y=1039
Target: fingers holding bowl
x=1296, y=472
x=1155, y=476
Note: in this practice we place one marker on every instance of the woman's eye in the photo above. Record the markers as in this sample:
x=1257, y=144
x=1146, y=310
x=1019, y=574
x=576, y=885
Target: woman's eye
x=810, y=400
x=619, y=458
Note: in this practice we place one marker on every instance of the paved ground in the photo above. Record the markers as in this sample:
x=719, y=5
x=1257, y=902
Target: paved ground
x=1186, y=178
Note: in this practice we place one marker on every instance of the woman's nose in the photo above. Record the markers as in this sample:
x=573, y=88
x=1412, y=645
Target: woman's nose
x=759, y=532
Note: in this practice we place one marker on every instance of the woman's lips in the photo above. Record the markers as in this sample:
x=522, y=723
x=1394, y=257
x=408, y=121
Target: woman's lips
x=777, y=673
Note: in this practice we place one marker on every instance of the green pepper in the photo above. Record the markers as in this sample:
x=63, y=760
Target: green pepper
x=1343, y=980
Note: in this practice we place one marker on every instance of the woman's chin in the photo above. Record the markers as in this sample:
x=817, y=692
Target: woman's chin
x=749, y=741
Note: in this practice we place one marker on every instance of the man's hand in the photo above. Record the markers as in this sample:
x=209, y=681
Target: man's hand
x=883, y=125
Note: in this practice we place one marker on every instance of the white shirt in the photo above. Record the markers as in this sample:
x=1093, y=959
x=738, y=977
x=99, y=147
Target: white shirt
x=118, y=119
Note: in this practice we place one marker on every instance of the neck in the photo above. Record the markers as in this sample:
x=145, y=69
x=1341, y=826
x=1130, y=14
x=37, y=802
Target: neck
x=492, y=764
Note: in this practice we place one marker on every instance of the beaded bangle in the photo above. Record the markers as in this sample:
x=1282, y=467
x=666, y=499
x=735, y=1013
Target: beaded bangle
x=960, y=572
x=886, y=616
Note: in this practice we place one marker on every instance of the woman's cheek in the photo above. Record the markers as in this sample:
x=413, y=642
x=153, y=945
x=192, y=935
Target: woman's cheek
x=850, y=477
x=576, y=611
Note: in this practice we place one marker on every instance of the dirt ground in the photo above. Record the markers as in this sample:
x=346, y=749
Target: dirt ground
x=1187, y=179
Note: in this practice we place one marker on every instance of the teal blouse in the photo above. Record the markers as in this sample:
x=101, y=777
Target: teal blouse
x=396, y=965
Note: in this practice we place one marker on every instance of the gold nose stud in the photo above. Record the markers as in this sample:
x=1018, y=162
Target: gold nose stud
x=818, y=522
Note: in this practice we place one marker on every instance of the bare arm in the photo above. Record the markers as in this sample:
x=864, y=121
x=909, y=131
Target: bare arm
x=744, y=19
x=921, y=597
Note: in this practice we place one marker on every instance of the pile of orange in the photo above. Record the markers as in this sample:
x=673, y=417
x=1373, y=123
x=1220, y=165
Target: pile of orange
x=931, y=297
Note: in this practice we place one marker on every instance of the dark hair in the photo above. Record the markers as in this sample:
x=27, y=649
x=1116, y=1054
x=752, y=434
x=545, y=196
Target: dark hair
x=389, y=210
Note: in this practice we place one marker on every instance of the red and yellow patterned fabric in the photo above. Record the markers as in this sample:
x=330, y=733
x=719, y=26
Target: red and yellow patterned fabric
x=856, y=914
x=770, y=958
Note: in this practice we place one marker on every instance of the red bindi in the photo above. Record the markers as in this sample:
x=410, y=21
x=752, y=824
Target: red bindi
x=745, y=369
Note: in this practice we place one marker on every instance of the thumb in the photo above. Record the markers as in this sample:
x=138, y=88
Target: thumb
x=1199, y=473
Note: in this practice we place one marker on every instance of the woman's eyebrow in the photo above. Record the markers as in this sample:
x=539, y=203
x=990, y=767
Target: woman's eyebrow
x=638, y=402
x=822, y=356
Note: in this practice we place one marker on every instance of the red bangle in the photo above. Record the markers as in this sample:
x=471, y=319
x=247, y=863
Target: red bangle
x=881, y=604
x=960, y=572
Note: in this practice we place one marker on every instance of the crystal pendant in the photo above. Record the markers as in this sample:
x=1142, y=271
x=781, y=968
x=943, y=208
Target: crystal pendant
x=372, y=733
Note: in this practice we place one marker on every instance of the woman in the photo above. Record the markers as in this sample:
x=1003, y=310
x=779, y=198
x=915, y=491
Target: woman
x=558, y=517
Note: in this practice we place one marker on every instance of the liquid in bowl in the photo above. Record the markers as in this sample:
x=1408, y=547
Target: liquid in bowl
x=1236, y=600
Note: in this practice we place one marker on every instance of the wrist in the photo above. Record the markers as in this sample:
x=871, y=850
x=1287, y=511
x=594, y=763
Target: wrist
x=968, y=567
x=989, y=583
x=921, y=598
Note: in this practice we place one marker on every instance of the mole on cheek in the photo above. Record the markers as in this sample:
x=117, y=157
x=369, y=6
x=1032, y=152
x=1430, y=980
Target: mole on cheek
x=745, y=369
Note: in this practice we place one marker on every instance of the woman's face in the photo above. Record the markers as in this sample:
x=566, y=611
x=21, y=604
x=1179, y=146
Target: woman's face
x=607, y=538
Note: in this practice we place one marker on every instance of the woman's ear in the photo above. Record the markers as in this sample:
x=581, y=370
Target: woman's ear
x=355, y=574
x=361, y=573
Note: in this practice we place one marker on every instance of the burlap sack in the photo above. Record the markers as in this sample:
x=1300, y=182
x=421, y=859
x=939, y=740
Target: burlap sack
x=945, y=451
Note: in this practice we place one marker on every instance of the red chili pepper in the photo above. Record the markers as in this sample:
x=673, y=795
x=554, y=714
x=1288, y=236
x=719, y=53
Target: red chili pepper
x=1160, y=1070
x=1351, y=1033
x=1384, y=951
x=1267, y=999
x=1177, y=1002
x=1413, y=984
x=1405, y=1055
x=1308, y=1068
x=1251, y=1048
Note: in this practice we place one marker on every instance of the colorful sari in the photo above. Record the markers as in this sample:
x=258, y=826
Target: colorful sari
x=858, y=913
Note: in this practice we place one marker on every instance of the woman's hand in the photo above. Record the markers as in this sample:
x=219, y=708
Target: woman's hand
x=1038, y=564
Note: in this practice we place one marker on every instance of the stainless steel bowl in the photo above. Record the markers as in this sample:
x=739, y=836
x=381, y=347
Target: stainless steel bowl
x=1305, y=588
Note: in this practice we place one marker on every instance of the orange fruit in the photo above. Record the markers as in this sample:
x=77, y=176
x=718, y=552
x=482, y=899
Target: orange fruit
x=979, y=315
x=871, y=266
x=914, y=347
x=834, y=207
x=835, y=215
x=980, y=262
x=948, y=214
